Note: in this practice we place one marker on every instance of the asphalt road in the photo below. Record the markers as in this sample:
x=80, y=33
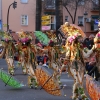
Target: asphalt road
x=25, y=93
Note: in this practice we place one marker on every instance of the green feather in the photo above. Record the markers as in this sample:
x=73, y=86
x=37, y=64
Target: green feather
x=42, y=37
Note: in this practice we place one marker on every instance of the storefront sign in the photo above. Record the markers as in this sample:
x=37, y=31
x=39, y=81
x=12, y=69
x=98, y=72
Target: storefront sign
x=46, y=23
x=44, y=28
x=46, y=17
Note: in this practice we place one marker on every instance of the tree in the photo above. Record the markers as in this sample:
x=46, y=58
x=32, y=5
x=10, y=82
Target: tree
x=59, y=14
x=38, y=14
x=74, y=5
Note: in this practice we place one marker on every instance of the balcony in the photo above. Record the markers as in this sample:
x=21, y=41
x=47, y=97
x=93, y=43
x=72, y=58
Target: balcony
x=95, y=7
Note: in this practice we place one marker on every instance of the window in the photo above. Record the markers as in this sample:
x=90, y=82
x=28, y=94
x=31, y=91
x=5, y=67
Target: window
x=24, y=1
x=80, y=21
x=24, y=20
x=95, y=27
x=95, y=5
x=50, y=4
x=81, y=2
x=94, y=22
x=96, y=2
x=53, y=22
x=66, y=18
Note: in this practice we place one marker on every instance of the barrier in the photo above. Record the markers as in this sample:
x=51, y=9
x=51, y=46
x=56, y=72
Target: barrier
x=93, y=88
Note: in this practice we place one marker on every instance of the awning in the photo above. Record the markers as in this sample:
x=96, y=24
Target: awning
x=95, y=16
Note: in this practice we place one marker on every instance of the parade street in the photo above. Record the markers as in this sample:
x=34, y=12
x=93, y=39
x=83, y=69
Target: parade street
x=25, y=93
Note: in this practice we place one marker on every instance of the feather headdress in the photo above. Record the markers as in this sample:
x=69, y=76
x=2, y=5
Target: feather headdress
x=71, y=30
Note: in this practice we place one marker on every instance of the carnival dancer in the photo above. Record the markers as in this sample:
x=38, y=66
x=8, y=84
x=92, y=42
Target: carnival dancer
x=27, y=58
x=48, y=81
x=8, y=51
x=76, y=65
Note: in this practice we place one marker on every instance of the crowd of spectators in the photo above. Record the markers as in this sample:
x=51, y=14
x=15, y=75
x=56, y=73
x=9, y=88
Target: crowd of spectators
x=42, y=58
x=91, y=68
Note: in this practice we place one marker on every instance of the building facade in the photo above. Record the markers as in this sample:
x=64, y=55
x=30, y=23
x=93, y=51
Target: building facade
x=53, y=10
x=0, y=14
x=25, y=16
x=20, y=18
x=87, y=21
x=48, y=17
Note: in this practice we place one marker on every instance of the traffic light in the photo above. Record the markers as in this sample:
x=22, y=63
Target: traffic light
x=15, y=4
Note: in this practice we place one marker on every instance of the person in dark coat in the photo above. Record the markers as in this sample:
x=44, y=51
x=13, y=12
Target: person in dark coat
x=40, y=59
x=86, y=42
x=91, y=41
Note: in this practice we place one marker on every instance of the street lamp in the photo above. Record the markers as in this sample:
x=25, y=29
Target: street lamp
x=85, y=17
x=14, y=6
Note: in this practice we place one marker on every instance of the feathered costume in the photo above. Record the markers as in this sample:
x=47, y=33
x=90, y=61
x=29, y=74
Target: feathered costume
x=74, y=55
x=8, y=51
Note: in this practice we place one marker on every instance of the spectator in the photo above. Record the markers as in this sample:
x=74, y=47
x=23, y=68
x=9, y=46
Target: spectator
x=91, y=66
x=40, y=60
x=45, y=60
x=91, y=63
x=91, y=41
x=86, y=42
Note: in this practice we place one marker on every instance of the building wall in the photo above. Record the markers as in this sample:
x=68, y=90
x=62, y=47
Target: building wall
x=80, y=12
x=0, y=14
x=0, y=9
x=15, y=15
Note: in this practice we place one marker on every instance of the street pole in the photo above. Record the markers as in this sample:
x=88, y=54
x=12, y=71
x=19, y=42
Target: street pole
x=38, y=17
x=8, y=17
x=59, y=16
x=58, y=13
x=14, y=6
x=38, y=14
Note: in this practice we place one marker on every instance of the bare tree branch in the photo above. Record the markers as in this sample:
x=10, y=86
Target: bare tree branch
x=75, y=12
x=69, y=13
x=75, y=4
